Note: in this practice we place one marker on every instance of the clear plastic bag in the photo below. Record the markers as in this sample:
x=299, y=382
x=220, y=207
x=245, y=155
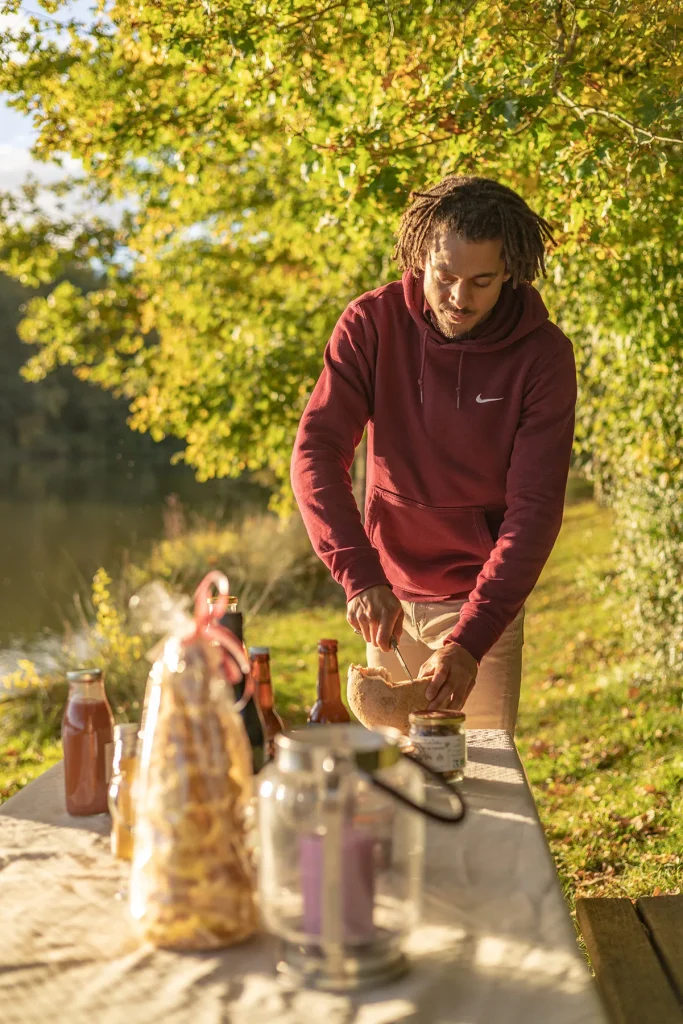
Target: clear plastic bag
x=192, y=879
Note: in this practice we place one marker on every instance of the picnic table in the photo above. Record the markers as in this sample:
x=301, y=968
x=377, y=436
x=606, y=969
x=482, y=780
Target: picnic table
x=496, y=946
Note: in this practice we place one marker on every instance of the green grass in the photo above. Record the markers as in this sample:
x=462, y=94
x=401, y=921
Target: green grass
x=22, y=759
x=599, y=742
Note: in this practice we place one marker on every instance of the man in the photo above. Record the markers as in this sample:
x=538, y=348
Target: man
x=468, y=392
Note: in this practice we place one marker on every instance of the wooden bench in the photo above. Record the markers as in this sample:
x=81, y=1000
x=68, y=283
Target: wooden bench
x=637, y=955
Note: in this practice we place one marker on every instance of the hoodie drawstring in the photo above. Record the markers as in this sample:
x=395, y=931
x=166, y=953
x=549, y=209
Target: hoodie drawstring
x=458, y=389
x=421, y=378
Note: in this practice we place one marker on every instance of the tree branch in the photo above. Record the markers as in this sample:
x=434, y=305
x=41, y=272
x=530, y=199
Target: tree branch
x=609, y=115
x=565, y=49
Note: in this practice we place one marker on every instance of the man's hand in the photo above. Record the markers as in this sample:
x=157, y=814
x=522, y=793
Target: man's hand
x=452, y=672
x=377, y=615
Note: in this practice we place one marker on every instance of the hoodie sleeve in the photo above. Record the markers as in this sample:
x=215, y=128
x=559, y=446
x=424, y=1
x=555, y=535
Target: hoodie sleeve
x=536, y=485
x=328, y=435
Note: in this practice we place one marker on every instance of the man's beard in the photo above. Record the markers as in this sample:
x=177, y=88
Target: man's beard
x=451, y=330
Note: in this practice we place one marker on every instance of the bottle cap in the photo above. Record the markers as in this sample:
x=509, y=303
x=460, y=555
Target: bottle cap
x=327, y=645
x=85, y=675
x=254, y=651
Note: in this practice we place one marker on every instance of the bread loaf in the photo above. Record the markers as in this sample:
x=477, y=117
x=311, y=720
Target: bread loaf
x=377, y=700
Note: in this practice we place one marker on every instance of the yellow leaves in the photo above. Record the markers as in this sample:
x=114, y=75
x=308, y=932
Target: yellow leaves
x=26, y=677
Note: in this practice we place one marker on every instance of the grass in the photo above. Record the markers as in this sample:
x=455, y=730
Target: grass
x=599, y=743
x=599, y=740
x=22, y=759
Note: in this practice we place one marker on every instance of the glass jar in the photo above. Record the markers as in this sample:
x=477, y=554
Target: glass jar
x=121, y=803
x=340, y=868
x=438, y=740
x=87, y=741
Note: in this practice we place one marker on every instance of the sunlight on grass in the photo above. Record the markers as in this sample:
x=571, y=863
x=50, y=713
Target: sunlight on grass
x=600, y=746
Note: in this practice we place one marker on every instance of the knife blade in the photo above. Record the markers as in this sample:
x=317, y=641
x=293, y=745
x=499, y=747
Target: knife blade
x=395, y=649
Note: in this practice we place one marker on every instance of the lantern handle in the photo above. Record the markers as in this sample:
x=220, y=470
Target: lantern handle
x=454, y=795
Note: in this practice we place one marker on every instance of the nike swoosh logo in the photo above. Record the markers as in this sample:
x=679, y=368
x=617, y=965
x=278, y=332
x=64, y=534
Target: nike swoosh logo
x=483, y=401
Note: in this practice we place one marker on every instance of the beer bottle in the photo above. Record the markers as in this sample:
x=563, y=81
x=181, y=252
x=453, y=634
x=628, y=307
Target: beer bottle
x=251, y=716
x=328, y=707
x=260, y=673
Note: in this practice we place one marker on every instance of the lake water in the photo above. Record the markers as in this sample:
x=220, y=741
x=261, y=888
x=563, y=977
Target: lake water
x=59, y=523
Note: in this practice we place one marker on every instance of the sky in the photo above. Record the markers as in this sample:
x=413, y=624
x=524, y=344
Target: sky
x=16, y=130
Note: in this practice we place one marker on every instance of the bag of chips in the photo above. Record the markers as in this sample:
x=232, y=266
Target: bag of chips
x=192, y=879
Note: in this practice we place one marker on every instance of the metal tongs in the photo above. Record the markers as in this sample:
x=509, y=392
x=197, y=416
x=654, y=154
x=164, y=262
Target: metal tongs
x=394, y=646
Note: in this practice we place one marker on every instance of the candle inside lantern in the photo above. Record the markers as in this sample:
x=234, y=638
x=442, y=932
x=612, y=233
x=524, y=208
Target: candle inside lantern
x=357, y=884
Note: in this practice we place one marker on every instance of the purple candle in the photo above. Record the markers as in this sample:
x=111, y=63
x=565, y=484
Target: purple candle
x=357, y=884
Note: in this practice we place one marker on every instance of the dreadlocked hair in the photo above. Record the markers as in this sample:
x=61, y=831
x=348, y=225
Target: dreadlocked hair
x=478, y=209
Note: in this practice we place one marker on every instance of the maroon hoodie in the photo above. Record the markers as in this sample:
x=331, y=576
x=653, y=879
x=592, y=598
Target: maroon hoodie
x=468, y=453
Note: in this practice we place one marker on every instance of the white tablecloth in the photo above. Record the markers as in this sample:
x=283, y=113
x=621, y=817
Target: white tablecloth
x=497, y=945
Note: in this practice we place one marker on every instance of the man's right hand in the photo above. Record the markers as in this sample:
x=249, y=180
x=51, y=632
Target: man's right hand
x=377, y=615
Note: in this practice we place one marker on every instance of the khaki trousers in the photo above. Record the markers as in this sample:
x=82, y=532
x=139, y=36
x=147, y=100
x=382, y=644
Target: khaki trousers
x=493, y=702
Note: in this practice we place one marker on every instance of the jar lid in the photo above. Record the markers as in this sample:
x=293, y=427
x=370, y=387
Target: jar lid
x=434, y=717
x=255, y=651
x=306, y=749
x=85, y=675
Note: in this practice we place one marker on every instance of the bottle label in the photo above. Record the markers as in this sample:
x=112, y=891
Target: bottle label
x=442, y=753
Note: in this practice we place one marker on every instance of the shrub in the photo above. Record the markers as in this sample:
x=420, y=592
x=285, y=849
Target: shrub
x=269, y=562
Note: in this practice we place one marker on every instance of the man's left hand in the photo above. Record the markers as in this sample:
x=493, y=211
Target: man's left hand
x=452, y=672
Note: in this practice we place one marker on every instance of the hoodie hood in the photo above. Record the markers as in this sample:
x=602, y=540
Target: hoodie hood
x=517, y=313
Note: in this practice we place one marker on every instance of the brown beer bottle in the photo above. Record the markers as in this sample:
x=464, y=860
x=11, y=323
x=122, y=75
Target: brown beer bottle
x=328, y=707
x=260, y=673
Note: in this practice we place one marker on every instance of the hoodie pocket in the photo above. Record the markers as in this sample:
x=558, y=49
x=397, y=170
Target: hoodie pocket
x=425, y=549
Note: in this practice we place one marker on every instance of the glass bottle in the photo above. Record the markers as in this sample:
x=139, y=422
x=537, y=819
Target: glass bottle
x=260, y=671
x=121, y=803
x=87, y=740
x=251, y=715
x=328, y=706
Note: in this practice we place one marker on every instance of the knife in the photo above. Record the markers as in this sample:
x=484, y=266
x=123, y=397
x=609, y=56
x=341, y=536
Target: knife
x=394, y=646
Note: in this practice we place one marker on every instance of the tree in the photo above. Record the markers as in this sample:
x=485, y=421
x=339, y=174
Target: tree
x=264, y=152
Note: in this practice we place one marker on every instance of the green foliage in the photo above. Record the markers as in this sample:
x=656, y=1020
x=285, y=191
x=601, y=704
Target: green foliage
x=263, y=153
x=59, y=416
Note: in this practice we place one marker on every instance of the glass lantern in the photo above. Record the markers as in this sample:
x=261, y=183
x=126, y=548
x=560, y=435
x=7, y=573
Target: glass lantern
x=341, y=821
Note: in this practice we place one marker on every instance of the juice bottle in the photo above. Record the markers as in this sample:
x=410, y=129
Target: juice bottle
x=87, y=739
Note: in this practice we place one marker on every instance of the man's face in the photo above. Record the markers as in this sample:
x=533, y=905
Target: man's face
x=462, y=281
